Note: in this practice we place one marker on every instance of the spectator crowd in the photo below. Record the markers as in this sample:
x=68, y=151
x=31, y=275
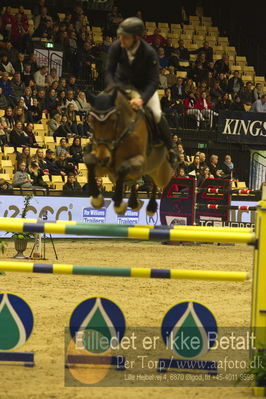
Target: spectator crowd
x=200, y=167
x=31, y=170
x=209, y=87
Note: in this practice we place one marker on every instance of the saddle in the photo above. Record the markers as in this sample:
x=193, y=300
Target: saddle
x=153, y=130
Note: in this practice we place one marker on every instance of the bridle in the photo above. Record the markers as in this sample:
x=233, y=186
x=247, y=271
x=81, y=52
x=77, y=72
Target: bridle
x=103, y=116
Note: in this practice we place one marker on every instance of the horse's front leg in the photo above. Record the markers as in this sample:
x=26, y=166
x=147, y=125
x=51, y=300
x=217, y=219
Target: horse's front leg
x=97, y=199
x=131, y=169
x=152, y=204
x=133, y=202
x=120, y=206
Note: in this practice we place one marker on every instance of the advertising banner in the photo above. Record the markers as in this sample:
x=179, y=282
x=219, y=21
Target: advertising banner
x=77, y=209
x=242, y=127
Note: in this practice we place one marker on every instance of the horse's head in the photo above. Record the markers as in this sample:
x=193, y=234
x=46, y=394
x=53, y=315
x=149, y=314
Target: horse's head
x=108, y=123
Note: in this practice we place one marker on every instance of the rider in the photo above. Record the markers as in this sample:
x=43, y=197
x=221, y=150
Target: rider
x=134, y=62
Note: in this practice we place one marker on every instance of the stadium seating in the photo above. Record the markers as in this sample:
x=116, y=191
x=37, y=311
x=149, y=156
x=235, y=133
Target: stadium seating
x=199, y=29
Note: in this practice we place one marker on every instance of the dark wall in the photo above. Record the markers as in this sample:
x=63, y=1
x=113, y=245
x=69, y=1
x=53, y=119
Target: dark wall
x=244, y=24
x=156, y=10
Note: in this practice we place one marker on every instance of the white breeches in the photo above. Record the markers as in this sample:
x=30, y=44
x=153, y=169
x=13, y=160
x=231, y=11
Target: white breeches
x=155, y=106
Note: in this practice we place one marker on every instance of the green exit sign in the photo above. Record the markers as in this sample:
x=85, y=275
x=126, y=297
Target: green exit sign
x=49, y=45
x=202, y=145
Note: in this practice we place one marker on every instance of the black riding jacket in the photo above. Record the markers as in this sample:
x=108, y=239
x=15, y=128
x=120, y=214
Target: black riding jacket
x=143, y=73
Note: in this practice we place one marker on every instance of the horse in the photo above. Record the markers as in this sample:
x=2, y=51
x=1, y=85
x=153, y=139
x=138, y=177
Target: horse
x=121, y=150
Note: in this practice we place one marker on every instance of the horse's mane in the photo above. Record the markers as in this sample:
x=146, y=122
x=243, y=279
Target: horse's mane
x=114, y=95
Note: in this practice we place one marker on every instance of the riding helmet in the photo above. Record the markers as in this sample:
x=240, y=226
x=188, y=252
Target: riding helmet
x=131, y=26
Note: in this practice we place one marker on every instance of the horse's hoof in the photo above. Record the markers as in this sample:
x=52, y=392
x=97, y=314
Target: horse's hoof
x=121, y=209
x=139, y=206
x=150, y=213
x=97, y=202
x=151, y=208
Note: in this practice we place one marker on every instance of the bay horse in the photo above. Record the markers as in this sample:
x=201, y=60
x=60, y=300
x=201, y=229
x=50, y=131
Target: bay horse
x=121, y=150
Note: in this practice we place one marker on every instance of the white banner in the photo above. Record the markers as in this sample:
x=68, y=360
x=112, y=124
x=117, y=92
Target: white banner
x=77, y=209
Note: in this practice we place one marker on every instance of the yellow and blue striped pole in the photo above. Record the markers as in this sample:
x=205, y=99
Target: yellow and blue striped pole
x=173, y=274
x=157, y=227
x=222, y=235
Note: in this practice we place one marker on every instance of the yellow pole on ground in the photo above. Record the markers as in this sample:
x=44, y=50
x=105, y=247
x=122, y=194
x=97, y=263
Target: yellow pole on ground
x=135, y=272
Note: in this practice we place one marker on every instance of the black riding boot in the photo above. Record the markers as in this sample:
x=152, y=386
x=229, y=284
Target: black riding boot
x=165, y=135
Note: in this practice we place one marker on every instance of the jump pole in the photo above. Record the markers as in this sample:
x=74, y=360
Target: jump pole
x=172, y=274
x=136, y=233
x=214, y=190
x=158, y=227
x=231, y=207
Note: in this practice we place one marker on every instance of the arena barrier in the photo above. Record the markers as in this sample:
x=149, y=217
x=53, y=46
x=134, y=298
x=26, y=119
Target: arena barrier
x=179, y=233
x=172, y=274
